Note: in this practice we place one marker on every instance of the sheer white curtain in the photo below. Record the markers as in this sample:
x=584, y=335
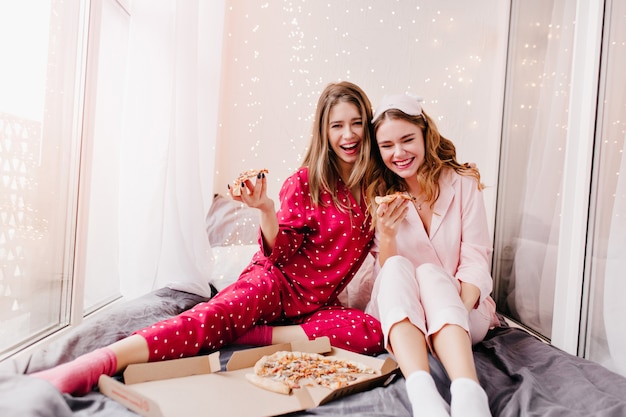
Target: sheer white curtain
x=614, y=282
x=537, y=242
x=167, y=152
x=607, y=339
x=535, y=140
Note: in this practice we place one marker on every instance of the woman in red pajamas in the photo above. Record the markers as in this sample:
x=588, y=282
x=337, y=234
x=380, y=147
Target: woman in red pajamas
x=310, y=250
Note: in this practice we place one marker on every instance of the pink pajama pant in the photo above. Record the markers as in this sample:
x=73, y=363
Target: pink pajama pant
x=428, y=297
x=259, y=297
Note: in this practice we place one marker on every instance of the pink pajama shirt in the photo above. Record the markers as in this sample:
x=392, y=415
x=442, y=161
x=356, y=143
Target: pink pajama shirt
x=423, y=282
x=317, y=252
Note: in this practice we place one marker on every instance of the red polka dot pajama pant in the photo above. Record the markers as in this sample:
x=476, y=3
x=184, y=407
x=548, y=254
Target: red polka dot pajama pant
x=256, y=298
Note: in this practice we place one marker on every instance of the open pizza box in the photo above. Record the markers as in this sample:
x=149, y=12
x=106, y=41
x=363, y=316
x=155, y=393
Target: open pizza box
x=197, y=386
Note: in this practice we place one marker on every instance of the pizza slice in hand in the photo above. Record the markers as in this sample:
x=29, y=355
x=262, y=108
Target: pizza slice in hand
x=391, y=197
x=243, y=177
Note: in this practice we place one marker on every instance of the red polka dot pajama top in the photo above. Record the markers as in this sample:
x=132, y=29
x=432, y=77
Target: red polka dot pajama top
x=317, y=252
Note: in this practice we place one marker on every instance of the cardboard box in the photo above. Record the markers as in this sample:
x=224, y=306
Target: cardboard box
x=197, y=386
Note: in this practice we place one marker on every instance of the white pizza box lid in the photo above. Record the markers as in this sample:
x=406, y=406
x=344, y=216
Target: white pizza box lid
x=195, y=386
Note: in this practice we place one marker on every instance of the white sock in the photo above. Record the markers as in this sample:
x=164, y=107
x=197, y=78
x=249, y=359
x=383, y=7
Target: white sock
x=424, y=397
x=469, y=399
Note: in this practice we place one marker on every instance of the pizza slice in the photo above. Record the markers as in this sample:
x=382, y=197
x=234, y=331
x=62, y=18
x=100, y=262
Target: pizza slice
x=243, y=177
x=391, y=197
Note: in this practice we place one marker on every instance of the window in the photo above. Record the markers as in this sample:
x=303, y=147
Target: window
x=559, y=255
x=39, y=148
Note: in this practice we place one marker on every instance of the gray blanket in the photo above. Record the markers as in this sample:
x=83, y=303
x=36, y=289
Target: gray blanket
x=522, y=375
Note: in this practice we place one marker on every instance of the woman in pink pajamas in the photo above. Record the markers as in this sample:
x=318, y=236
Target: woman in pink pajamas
x=309, y=251
x=432, y=289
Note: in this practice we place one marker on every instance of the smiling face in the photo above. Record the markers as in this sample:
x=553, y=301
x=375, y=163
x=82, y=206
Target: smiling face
x=345, y=133
x=401, y=145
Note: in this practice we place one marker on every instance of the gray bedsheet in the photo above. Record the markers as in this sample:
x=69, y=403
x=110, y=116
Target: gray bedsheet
x=522, y=375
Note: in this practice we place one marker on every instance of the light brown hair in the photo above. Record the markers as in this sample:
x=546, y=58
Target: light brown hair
x=320, y=158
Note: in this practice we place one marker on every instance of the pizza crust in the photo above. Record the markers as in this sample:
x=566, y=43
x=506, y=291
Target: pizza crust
x=391, y=197
x=269, y=384
x=243, y=177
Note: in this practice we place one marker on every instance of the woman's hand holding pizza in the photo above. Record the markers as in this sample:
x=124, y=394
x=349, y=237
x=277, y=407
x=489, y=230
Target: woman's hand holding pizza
x=390, y=215
x=253, y=194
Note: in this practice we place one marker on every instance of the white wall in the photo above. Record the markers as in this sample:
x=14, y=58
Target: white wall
x=279, y=56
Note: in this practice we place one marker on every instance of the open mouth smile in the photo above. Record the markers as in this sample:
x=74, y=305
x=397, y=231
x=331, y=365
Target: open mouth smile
x=405, y=163
x=350, y=148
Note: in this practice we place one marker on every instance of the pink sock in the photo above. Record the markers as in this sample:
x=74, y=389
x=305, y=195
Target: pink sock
x=80, y=375
x=259, y=335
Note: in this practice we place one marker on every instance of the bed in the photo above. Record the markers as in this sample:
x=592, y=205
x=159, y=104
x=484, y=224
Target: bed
x=522, y=375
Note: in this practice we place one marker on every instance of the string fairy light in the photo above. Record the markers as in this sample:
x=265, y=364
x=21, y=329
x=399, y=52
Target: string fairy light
x=281, y=54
